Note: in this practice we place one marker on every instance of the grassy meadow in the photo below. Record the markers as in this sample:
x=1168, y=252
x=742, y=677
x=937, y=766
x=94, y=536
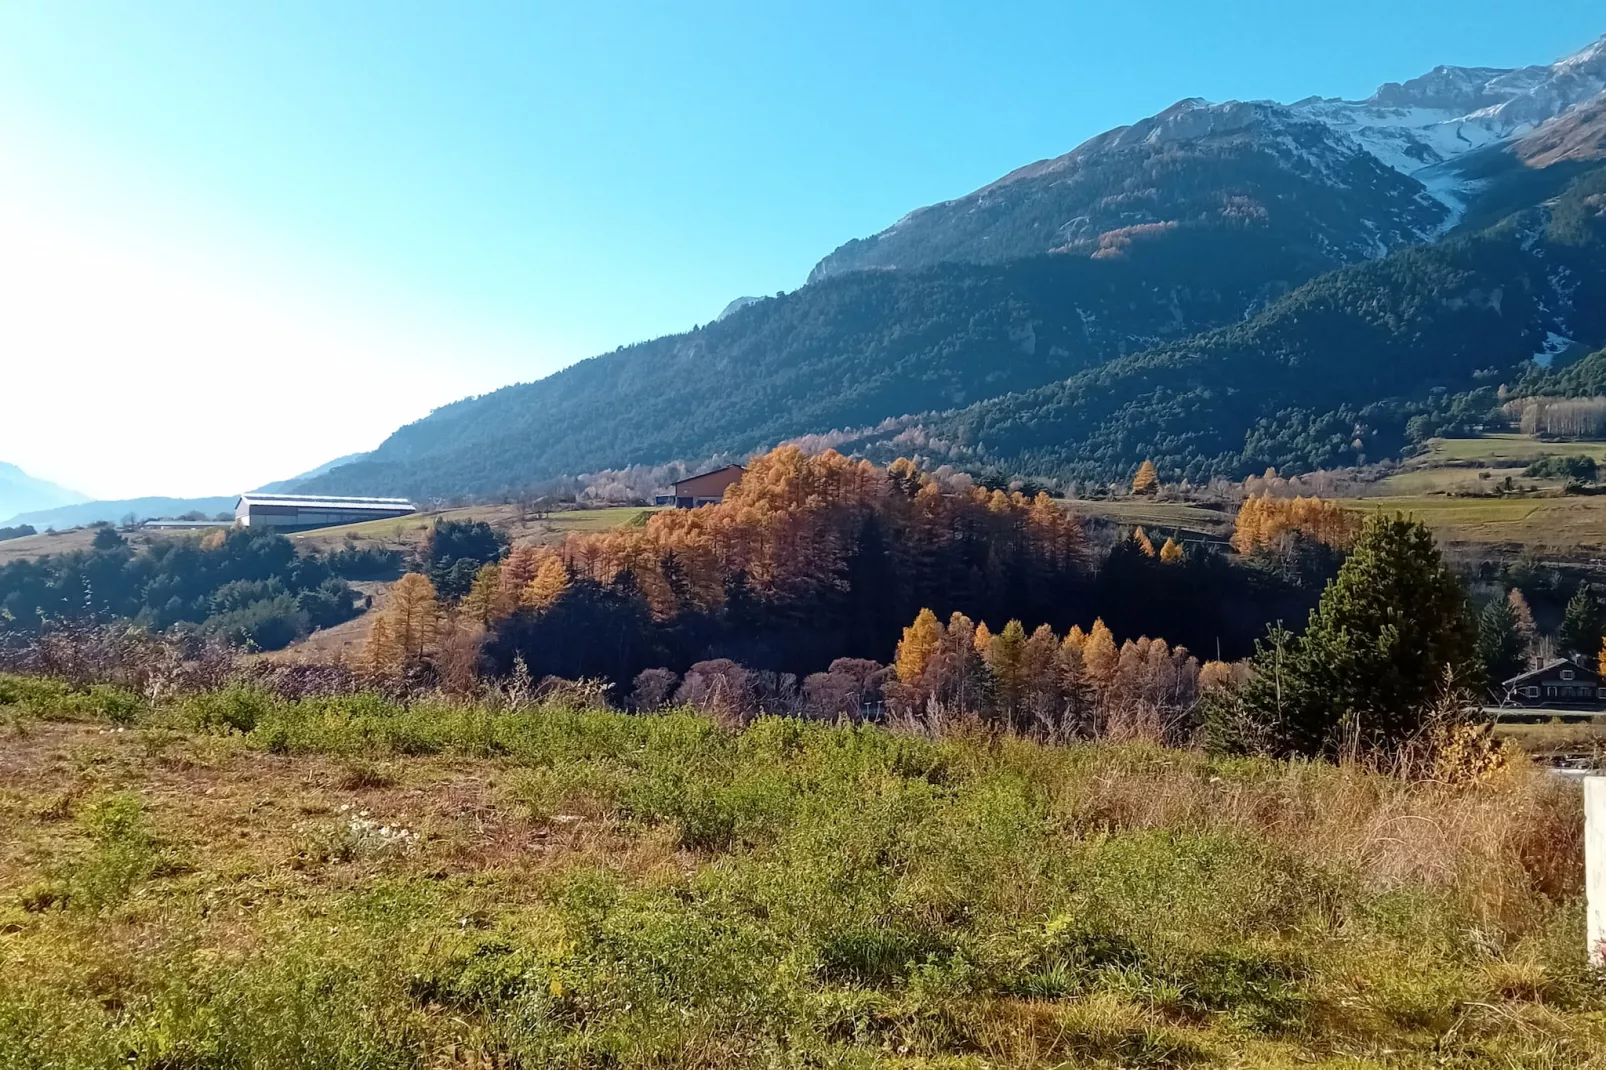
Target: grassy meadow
x=1507, y=450
x=1563, y=526
x=407, y=532
x=1187, y=517
x=236, y=880
x=1476, y=465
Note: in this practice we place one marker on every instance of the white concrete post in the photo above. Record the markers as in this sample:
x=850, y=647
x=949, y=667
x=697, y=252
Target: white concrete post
x=1595, y=866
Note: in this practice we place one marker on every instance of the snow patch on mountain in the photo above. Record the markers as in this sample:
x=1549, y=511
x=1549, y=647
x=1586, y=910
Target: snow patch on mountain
x=1555, y=345
x=1421, y=126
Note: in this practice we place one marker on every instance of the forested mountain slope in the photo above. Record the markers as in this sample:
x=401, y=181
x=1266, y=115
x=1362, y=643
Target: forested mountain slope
x=845, y=353
x=1330, y=375
x=1086, y=311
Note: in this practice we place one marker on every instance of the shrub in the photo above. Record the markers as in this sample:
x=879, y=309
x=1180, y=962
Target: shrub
x=1580, y=467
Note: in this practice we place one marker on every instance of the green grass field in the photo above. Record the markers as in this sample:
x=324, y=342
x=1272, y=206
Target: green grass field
x=1559, y=525
x=230, y=880
x=1507, y=450
x=1475, y=465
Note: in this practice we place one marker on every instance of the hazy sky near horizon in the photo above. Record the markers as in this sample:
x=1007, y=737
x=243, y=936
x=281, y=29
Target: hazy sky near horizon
x=238, y=240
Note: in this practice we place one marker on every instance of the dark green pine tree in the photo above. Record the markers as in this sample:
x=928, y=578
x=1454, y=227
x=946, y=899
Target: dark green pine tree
x=1501, y=644
x=1391, y=630
x=1580, y=633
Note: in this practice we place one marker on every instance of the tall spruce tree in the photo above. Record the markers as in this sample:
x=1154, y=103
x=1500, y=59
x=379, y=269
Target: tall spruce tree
x=1389, y=632
x=1501, y=644
x=1581, y=629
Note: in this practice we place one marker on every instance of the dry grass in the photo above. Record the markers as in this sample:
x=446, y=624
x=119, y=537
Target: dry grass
x=594, y=889
x=33, y=547
x=409, y=532
x=1160, y=516
x=1567, y=527
x=1557, y=740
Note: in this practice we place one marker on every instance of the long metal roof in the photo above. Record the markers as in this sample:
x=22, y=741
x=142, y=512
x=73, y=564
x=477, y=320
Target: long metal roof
x=321, y=501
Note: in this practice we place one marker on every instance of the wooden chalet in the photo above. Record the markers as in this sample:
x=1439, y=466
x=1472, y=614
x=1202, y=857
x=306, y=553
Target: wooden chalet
x=1558, y=683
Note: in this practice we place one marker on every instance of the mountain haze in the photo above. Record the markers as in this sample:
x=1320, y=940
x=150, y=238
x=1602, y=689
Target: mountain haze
x=115, y=511
x=1217, y=285
x=22, y=493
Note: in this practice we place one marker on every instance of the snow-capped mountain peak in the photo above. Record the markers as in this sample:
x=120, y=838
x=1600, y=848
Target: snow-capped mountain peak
x=1590, y=57
x=1429, y=120
x=1347, y=179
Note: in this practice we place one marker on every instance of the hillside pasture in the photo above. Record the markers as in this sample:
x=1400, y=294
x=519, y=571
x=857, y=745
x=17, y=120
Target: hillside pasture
x=1507, y=450
x=409, y=532
x=33, y=547
x=1161, y=517
x=1465, y=466
x=1564, y=526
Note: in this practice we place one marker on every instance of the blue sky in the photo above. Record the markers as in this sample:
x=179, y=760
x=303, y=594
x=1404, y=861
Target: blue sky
x=361, y=211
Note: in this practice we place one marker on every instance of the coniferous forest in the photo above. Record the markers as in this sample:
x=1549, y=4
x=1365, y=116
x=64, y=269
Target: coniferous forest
x=1214, y=351
x=250, y=588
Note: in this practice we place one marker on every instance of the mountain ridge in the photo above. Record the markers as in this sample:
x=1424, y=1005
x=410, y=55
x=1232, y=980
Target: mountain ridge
x=21, y=493
x=1192, y=221
x=1409, y=128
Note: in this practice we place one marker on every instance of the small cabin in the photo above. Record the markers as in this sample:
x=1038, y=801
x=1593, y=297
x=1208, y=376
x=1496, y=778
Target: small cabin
x=705, y=489
x=1556, y=683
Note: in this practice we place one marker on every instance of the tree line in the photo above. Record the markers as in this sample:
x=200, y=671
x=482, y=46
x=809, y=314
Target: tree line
x=764, y=603
x=248, y=587
x=815, y=559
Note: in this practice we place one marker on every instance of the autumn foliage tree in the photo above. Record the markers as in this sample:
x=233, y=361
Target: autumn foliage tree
x=404, y=629
x=810, y=558
x=917, y=647
x=1265, y=522
x=548, y=585
x=482, y=603
x=1147, y=480
x=814, y=558
x=1038, y=684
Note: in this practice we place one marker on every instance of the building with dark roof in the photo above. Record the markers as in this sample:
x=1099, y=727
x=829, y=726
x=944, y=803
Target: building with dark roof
x=1560, y=683
x=300, y=512
x=704, y=489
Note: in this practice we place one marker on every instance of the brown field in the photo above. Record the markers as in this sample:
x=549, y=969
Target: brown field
x=32, y=547
x=1567, y=527
x=1190, y=517
x=408, y=532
